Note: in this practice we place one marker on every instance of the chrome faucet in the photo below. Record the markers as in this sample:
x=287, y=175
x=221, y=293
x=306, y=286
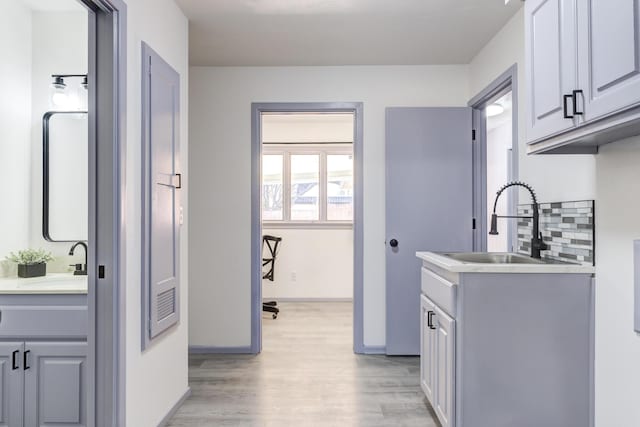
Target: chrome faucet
x=81, y=269
x=537, y=244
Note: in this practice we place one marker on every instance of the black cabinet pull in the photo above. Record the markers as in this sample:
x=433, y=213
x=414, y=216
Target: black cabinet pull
x=26, y=360
x=575, y=102
x=564, y=106
x=430, y=319
x=14, y=362
x=393, y=243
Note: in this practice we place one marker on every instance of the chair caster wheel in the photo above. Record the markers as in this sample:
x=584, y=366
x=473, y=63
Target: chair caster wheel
x=275, y=316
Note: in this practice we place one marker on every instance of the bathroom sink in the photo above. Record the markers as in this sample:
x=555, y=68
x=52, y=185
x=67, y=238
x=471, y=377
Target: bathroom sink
x=493, y=258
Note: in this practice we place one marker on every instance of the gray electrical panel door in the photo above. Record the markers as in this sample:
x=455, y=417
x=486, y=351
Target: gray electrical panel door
x=428, y=207
x=161, y=196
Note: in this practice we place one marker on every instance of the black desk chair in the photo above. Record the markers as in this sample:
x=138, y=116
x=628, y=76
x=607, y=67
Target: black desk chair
x=269, y=261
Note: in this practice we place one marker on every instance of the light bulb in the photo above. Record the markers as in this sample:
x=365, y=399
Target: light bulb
x=59, y=98
x=494, y=110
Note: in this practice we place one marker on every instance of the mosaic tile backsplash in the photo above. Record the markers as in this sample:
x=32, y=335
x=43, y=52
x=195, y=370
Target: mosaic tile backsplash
x=567, y=227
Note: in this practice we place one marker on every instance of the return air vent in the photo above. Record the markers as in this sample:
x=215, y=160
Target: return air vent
x=166, y=304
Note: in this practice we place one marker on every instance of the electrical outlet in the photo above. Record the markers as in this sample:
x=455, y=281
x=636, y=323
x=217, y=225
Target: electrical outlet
x=294, y=276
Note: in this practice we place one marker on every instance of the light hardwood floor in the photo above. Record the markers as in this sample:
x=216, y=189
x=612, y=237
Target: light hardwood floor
x=307, y=375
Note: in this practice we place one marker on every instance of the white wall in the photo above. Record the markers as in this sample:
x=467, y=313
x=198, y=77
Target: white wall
x=220, y=102
x=60, y=46
x=157, y=378
x=554, y=177
x=15, y=130
x=617, y=225
x=499, y=140
x=320, y=259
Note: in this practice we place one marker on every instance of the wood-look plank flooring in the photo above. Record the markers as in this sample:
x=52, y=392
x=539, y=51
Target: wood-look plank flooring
x=306, y=375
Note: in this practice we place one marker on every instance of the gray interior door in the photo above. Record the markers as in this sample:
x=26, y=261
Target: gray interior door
x=428, y=207
x=162, y=182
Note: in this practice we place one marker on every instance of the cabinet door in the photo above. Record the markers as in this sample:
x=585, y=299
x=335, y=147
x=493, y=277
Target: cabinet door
x=11, y=384
x=444, y=393
x=427, y=348
x=56, y=384
x=609, y=55
x=551, y=57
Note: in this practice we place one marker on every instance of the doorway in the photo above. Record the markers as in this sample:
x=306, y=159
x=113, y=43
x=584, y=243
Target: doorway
x=306, y=211
x=495, y=161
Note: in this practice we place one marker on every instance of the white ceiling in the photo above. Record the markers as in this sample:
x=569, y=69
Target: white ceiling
x=341, y=32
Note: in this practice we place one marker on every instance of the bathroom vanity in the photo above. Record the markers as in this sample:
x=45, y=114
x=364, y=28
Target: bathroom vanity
x=43, y=351
x=506, y=340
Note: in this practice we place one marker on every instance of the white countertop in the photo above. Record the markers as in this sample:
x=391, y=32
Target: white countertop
x=455, y=266
x=55, y=283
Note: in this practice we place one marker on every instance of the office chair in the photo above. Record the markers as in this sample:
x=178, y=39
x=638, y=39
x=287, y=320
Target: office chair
x=269, y=261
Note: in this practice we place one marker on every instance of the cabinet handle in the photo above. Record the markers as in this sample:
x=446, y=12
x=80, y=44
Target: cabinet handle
x=564, y=106
x=430, y=319
x=575, y=102
x=26, y=360
x=14, y=364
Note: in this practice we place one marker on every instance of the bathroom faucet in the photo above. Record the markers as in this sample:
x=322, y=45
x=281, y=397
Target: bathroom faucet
x=537, y=244
x=81, y=269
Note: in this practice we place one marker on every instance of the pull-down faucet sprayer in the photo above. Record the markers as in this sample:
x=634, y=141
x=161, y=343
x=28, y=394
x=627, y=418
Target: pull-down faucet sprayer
x=537, y=244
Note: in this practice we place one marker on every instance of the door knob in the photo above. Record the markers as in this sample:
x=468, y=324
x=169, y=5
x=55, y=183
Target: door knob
x=393, y=243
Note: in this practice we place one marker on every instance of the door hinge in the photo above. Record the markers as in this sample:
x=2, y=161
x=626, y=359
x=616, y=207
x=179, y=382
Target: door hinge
x=473, y=223
x=473, y=135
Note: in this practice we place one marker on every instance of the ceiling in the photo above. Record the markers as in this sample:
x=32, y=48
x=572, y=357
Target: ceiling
x=341, y=32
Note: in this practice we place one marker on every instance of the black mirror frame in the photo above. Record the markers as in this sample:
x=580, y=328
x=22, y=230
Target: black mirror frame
x=45, y=172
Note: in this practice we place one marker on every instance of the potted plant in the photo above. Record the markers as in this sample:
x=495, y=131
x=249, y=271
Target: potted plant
x=31, y=262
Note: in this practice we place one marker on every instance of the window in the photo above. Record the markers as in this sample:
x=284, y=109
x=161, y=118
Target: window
x=305, y=184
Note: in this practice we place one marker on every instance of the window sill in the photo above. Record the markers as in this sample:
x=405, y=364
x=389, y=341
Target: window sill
x=304, y=225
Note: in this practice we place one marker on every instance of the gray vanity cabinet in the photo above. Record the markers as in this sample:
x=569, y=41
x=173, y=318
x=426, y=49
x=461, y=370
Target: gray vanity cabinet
x=55, y=384
x=11, y=384
x=609, y=55
x=43, y=360
x=550, y=51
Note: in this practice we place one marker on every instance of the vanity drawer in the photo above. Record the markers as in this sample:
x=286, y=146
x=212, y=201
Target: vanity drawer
x=32, y=321
x=440, y=291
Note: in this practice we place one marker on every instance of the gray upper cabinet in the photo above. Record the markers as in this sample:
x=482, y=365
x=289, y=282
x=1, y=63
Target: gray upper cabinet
x=11, y=384
x=582, y=73
x=609, y=55
x=551, y=71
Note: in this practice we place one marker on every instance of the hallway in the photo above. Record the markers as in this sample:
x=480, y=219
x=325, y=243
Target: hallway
x=307, y=375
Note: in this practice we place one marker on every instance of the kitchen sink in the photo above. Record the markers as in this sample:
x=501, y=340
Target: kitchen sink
x=494, y=258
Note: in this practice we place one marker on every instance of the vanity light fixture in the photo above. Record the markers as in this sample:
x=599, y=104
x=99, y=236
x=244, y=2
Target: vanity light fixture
x=60, y=97
x=494, y=109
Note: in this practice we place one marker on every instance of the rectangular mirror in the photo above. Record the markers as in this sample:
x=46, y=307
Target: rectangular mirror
x=65, y=176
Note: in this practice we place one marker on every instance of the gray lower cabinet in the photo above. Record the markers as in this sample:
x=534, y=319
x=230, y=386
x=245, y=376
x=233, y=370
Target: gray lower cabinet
x=505, y=350
x=43, y=384
x=437, y=360
x=11, y=384
x=582, y=61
